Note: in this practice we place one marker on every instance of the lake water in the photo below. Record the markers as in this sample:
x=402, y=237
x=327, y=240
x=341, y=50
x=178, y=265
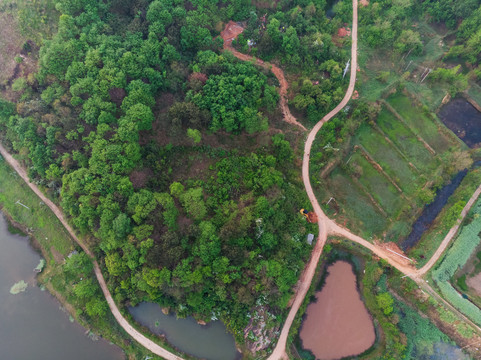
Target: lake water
x=463, y=120
x=32, y=324
x=209, y=341
x=337, y=324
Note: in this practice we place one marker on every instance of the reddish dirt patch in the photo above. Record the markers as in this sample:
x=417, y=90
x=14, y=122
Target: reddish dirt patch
x=59, y=259
x=230, y=32
x=139, y=178
x=364, y=2
x=117, y=95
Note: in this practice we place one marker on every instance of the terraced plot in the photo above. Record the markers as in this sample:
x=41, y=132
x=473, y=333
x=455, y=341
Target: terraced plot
x=420, y=123
x=359, y=211
x=388, y=158
x=378, y=186
x=406, y=141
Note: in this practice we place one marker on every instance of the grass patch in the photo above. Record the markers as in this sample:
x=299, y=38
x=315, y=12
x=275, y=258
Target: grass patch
x=419, y=122
x=380, y=188
x=461, y=282
x=475, y=92
x=356, y=208
x=38, y=218
x=406, y=141
x=388, y=158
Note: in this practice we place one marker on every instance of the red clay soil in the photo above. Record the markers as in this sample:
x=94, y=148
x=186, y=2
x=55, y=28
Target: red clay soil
x=230, y=32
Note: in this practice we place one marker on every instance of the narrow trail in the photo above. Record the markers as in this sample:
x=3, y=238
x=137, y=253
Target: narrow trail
x=136, y=335
x=230, y=32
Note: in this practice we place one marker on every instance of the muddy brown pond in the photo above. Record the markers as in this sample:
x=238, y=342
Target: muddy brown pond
x=337, y=324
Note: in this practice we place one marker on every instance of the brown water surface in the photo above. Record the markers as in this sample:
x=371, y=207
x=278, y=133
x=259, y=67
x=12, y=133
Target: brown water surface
x=337, y=324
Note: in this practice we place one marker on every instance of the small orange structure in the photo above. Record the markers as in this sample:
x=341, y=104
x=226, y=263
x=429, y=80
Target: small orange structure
x=309, y=215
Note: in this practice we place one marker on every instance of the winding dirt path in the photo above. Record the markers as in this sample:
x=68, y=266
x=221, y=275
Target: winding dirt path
x=230, y=32
x=136, y=335
x=323, y=221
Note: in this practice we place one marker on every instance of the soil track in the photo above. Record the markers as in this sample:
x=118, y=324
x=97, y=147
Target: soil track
x=230, y=32
x=136, y=335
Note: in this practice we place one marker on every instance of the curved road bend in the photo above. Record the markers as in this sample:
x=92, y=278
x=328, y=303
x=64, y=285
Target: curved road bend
x=136, y=335
x=323, y=221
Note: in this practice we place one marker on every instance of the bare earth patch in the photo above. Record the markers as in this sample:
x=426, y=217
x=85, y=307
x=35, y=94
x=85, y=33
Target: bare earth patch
x=475, y=283
x=10, y=46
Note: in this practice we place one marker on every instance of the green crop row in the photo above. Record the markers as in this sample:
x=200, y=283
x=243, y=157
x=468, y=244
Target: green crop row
x=458, y=254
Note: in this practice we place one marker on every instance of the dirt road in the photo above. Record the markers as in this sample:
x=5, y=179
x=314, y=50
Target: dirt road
x=230, y=32
x=323, y=221
x=141, y=339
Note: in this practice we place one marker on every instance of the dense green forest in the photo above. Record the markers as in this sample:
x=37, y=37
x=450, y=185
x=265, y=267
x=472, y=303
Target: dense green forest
x=121, y=124
x=164, y=151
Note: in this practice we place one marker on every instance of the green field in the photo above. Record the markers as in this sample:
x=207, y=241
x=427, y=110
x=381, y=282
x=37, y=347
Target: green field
x=381, y=189
x=420, y=123
x=388, y=158
x=359, y=213
x=378, y=184
x=405, y=140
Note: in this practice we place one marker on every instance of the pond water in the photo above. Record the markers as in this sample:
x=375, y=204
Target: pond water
x=32, y=324
x=463, y=120
x=330, y=8
x=211, y=341
x=337, y=324
x=432, y=210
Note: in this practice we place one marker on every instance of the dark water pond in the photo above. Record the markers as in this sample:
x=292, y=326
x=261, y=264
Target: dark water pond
x=330, y=8
x=32, y=324
x=463, y=119
x=211, y=341
x=431, y=211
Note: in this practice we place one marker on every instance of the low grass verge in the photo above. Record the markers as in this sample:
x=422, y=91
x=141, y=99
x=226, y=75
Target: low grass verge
x=24, y=207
